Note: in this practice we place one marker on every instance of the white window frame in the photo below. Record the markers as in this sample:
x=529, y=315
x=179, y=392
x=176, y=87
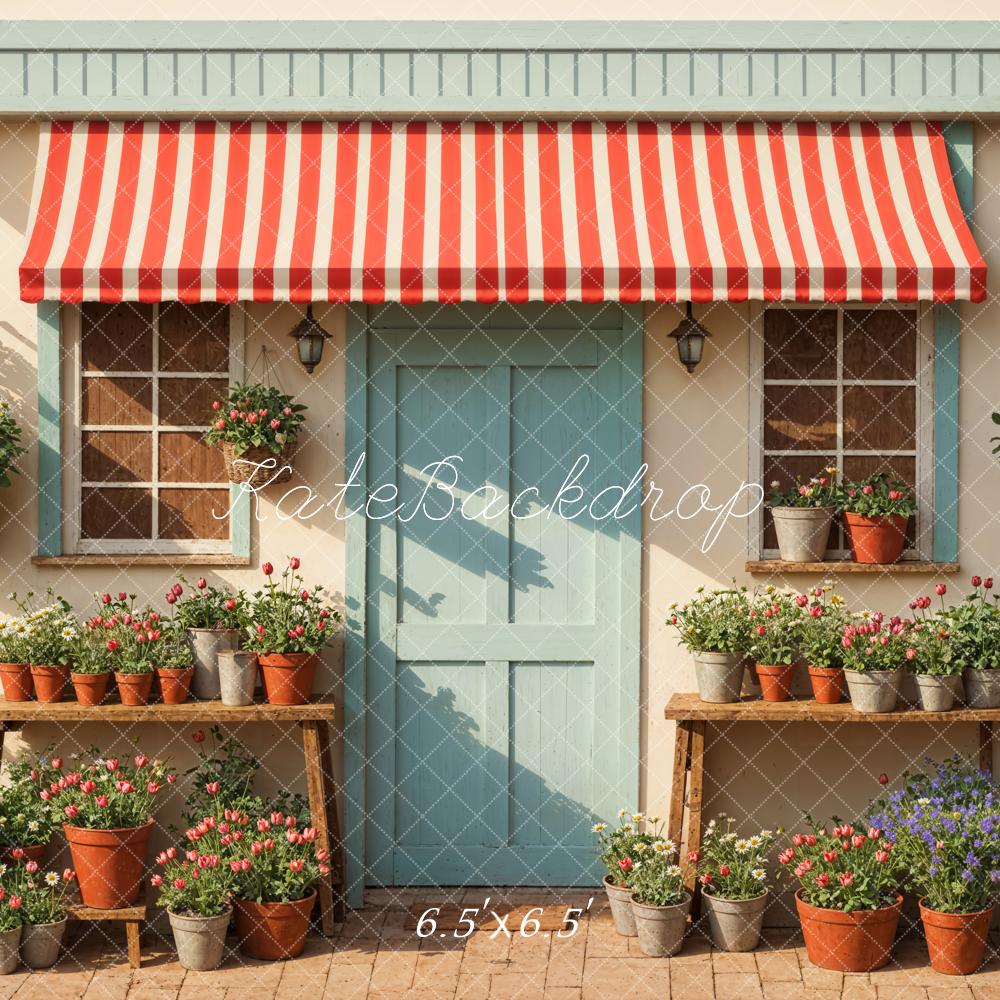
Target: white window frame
x=73, y=376
x=923, y=453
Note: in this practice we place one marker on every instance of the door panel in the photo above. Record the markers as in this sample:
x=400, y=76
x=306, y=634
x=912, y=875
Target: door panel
x=502, y=668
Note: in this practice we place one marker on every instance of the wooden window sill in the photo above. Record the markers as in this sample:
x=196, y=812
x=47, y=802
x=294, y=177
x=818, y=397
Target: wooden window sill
x=149, y=559
x=837, y=566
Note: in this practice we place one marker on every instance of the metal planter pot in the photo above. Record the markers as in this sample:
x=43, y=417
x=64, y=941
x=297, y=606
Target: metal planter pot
x=661, y=928
x=982, y=688
x=40, y=944
x=205, y=645
x=937, y=694
x=720, y=676
x=874, y=690
x=237, y=676
x=9, y=950
x=803, y=532
x=620, y=900
x=735, y=923
x=200, y=941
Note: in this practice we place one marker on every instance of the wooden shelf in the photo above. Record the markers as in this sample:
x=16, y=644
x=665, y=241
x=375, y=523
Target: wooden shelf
x=189, y=712
x=689, y=707
x=837, y=566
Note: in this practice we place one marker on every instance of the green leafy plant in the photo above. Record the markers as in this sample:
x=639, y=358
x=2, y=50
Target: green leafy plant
x=774, y=628
x=207, y=606
x=931, y=650
x=995, y=441
x=44, y=634
x=714, y=621
x=26, y=820
x=10, y=443
x=43, y=894
x=877, y=496
x=818, y=491
x=821, y=627
x=657, y=879
x=287, y=617
x=732, y=867
x=255, y=416
x=974, y=625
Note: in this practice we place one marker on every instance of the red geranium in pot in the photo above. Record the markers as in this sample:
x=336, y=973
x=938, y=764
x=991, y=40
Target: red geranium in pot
x=876, y=511
x=95, y=649
x=142, y=640
x=847, y=898
x=289, y=625
x=277, y=867
x=773, y=635
x=821, y=630
x=108, y=815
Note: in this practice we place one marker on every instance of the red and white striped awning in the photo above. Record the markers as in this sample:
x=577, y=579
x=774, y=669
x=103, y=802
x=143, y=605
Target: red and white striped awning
x=417, y=212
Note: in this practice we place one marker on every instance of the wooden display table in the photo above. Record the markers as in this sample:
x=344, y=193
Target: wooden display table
x=693, y=716
x=314, y=719
x=131, y=916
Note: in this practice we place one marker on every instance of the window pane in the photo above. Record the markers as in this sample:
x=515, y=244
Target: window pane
x=880, y=343
x=111, y=513
x=188, y=401
x=117, y=337
x=194, y=338
x=116, y=400
x=190, y=514
x=117, y=456
x=880, y=417
x=800, y=343
x=800, y=417
x=185, y=458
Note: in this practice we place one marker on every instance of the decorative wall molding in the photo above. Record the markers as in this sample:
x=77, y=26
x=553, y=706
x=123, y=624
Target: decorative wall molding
x=458, y=69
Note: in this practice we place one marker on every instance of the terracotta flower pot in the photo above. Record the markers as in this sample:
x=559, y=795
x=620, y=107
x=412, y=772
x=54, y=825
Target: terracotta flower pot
x=876, y=539
x=50, y=682
x=109, y=864
x=16, y=680
x=288, y=677
x=175, y=684
x=828, y=683
x=956, y=942
x=134, y=689
x=90, y=689
x=848, y=941
x=272, y=931
x=775, y=680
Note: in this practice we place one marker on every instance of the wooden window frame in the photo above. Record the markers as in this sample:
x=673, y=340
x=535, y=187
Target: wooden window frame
x=72, y=542
x=923, y=453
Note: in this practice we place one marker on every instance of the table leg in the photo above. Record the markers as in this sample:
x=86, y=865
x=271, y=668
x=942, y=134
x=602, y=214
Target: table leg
x=132, y=928
x=986, y=747
x=337, y=860
x=695, y=796
x=678, y=788
x=321, y=807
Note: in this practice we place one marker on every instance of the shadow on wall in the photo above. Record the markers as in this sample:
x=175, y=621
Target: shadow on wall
x=18, y=154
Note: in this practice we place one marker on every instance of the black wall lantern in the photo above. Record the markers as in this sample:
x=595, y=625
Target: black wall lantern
x=690, y=336
x=310, y=336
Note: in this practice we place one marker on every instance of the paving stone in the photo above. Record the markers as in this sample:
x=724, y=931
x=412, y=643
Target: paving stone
x=778, y=966
x=741, y=985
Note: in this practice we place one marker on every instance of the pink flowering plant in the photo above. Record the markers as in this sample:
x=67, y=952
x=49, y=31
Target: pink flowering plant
x=255, y=416
x=820, y=627
x=774, y=620
x=206, y=606
x=818, y=491
x=197, y=880
x=43, y=894
x=277, y=861
x=931, y=650
x=974, y=625
x=733, y=867
x=26, y=820
x=11, y=900
x=287, y=617
x=109, y=793
x=870, y=642
x=845, y=868
x=879, y=495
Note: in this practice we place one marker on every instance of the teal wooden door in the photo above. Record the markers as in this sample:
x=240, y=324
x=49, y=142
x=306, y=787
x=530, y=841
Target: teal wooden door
x=502, y=635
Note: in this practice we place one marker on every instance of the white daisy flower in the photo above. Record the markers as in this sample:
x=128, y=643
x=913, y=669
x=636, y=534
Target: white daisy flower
x=636, y=817
x=759, y=874
x=622, y=813
x=51, y=879
x=674, y=871
x=599, y=827
x=742, y=846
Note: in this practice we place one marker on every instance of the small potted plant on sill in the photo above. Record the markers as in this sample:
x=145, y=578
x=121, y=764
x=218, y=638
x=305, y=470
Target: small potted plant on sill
x=289, y=625
x=931, y=656
x=15, y=671
x=138, y=652
x=95, y=649
x=874, y=655
x=48, y=635
x=773, y=621
x=43, y=911
x=942, y=825
x=26, y=821
x=257, y=428
x=821, y=629
x=107, y=809
x=660, y=903
x=847, y=899
x=212, y=618
x=975, y=634
x=803, y=515
x=277, y=869
x=618, y=850
x=876, y=511
x=195, y=886
x=734, y=890
x=714, y=628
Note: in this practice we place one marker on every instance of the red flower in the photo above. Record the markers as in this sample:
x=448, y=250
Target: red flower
x=71, y=812
x=57, y=762
x=786, y=856
x=105, y=598
x=141, y=760
x=294, y=562
x=179, y=883
x=230, y=604
x=198, y=736
x=977, y=581
x=157, y=880
x=706, y=879
x=267, y=569
x=122, y=596
x=213, y=788
x=17, y=853
x=68, y=874
x=693, y=856
x=823, y=880
x=883, y=778
x=202, y=583
x=941, y=589
x=830, y=856
x=14, y=902
x=881, y=857
x=724, y=870
x=988, y=583
x=296, y=864
x=846, y=879
x=102, y=801
x=625, y=864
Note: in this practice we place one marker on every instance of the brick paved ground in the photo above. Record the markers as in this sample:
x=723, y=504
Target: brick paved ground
x=376, y=956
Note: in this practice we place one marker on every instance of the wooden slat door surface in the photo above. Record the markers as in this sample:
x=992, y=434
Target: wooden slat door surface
x=502, y=651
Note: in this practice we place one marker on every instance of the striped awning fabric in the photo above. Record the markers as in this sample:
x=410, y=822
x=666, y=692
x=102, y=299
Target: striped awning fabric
x=485, y=212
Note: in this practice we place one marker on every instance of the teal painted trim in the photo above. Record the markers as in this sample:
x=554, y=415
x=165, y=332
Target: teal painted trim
x=49, y=430
x=539, y=69
x=947, y=354
x=239, y=520
x=355, y=667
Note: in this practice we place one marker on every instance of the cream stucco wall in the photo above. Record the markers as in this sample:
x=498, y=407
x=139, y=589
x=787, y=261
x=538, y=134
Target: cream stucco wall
x=695, y=431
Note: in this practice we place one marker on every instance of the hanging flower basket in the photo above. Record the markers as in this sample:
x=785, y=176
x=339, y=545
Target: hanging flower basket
x=246, y=467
